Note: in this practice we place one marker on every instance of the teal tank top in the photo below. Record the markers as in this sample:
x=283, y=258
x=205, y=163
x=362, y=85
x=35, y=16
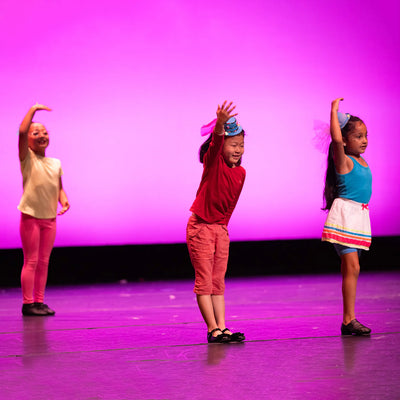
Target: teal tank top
x=356, y=185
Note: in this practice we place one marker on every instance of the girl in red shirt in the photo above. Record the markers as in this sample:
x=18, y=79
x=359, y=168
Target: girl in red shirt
x=207, y=235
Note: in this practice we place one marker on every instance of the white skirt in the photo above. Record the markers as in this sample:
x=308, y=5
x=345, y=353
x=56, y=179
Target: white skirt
x=348, y=224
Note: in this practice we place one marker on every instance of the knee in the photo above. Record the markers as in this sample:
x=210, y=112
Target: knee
x=354, y=270
x=218, y=279
x=203, y=277
x=351, y=268
x=218, y=287
x=43, y=260
x=31, y=263
x=42, y=265
x=202, y=287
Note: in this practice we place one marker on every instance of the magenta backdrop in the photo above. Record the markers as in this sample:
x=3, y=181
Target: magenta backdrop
x=131, y=82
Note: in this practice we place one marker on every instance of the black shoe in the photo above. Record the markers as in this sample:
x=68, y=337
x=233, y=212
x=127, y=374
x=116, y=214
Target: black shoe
x=221, y=338
x=355, y=328
x=45, y=307
x=33, y=310
x=234, y=337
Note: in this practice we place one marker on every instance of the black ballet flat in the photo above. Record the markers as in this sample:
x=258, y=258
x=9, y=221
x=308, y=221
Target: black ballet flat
x=33, y=311
x=355, y=328
x=222, y=338
x=45, y=308
x=234, y=337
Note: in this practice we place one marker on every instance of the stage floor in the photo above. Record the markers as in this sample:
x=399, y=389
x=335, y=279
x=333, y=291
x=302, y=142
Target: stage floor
x=148, y=341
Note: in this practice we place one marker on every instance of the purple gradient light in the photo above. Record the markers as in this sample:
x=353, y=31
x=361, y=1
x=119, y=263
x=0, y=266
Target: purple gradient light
x=130, y=84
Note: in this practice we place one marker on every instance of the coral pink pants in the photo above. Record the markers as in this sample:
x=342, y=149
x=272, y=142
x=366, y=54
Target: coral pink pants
x=208, y=246
x=37, y=236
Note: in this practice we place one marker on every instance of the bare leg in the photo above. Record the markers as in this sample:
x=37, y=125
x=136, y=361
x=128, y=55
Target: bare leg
x=218, y=302
x=207, y=311
x=350, y=272
x=219, y=312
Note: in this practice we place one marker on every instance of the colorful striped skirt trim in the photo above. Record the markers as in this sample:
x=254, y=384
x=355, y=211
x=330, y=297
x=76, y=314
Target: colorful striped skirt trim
x=348, y=224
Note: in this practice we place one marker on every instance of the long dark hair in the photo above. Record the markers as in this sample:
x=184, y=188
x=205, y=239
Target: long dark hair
x=204, y=147
x=331, y=190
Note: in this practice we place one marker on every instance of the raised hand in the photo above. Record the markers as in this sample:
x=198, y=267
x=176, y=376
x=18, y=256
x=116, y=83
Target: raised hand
x=341, y=160
x=39, y=107
x=335, y=104
x=26, y=122
x=225, y=111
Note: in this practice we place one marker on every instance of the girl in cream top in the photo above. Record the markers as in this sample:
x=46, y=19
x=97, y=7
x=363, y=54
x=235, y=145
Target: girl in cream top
x=42, y=191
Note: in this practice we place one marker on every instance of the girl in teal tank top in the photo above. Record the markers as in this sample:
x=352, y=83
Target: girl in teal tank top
x=347, y=193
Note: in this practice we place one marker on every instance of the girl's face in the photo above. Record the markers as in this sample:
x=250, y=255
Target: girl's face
x=356, y=141
x=38, y=138
x=233, y=149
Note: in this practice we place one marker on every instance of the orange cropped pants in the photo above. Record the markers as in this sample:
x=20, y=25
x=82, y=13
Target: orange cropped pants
x=208, y=246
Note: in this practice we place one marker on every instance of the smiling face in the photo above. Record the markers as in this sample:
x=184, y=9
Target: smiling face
x=38, y=138
x=233, y=149
x=356, y=141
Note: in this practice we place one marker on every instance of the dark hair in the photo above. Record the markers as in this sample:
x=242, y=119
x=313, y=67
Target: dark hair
x=330, y=190
x=204, y=147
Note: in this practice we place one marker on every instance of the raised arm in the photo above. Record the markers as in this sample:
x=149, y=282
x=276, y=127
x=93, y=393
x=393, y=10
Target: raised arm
x=343, y=163
x=24, y=129
x=224, y=112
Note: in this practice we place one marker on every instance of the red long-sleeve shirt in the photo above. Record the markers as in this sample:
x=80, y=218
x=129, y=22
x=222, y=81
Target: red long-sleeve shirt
x=220, y=186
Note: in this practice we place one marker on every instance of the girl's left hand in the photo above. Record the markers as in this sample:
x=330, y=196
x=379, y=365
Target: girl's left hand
x=225, y=111
x=64, y=209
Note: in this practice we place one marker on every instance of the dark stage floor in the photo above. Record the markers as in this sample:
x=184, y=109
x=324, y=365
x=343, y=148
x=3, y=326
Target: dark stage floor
x=147, y=341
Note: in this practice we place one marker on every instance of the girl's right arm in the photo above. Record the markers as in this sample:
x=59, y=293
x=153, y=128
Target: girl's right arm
x=343, y=163
x=224, y=112
x=24, y=129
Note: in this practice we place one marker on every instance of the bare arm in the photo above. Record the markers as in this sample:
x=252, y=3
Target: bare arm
x=63, y=199
x=24, y=129
x=343, y=163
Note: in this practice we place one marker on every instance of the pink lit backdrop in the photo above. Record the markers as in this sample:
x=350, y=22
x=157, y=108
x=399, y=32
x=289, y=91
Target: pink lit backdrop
x=131, y=82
